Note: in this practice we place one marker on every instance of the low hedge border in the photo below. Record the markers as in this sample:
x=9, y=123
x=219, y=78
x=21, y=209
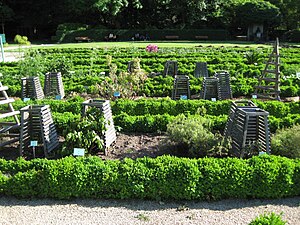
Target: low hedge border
x=164, y=177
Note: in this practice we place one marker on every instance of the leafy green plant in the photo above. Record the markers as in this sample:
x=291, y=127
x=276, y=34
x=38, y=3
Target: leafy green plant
x=87, y=133
x=286, y=142
x=126, y=83
x=268, y=219
x=194, y=134
x=21, y=40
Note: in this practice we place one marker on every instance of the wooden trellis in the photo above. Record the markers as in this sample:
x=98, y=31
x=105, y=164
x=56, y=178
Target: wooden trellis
x=201, y=70
x=209, y=88
x=248, y=127
x=224, y=87
x=171, y=68
x=104, y=106
x=268, y=83
x=9, y=127
x=130, y=67
x=31, y=88
x=181, y=89
x=53, y=85
x=37, y=125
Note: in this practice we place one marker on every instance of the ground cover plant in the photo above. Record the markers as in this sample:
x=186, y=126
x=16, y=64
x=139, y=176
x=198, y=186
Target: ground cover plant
x=84, y=68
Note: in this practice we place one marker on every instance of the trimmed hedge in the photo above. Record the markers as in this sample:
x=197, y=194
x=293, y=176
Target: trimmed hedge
x=164, y=177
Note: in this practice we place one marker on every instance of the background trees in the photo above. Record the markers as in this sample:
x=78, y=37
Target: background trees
x=41, y=18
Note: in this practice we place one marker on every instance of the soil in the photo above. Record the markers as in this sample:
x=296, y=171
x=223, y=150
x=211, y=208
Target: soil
x=127, y=145
x=137, y=146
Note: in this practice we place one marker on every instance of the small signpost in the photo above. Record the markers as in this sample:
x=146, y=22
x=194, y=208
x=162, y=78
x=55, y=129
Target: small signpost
x=213, y=99
x=33, y=144
x=117, y=94
x=254, y=96
x=26, y=99
x=58, y=97
x=78, y=151
x=183, y=97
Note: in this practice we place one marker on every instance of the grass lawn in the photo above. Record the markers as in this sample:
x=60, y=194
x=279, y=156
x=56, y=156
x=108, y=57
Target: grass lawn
x=143, y=44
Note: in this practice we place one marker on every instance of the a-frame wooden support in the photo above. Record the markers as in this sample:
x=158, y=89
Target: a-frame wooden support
x=9, y=130
x=268, y=85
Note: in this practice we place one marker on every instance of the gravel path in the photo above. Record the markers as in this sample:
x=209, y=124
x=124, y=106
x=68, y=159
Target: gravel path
x=82, y=211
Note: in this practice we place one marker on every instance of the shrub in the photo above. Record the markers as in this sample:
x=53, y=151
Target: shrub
x=193, y=133
x=286, y=142
x=268, y=219
x=21, y=40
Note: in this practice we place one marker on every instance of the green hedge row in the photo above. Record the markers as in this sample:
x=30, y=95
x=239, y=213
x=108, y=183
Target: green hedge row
x=164, y=177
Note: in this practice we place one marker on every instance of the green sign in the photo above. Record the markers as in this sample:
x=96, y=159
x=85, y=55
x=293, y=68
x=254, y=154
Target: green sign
x=3, y=38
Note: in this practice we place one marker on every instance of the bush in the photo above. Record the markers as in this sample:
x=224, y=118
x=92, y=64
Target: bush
x=163, y=177
x=286, y=142
x=268, y=219
x=21, y=40
x=193, y=134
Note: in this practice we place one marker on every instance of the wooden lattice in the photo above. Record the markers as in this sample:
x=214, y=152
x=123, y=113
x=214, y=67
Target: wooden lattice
x=224, y=87
x=248, y=128
x=104, y=106
x=201, y=70
x=181, y=89
x=268, y=83
x=209, y=88
x=37, y=125
x=53, y=85
x=9, y=121
x=31, y=88
x=171, y=68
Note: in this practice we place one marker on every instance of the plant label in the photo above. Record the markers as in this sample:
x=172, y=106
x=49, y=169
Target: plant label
x=33, y=143
x=26, y=99
x=78, y=151
x=116, y=94
x=213, y=99
x=58, y=97
x=254, y=96
x=298, y=75
x=183, y=97
x=262, y=153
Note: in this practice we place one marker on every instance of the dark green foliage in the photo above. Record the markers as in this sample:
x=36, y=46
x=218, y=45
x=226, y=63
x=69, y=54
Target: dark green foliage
x=164, y=177
x=268, y=219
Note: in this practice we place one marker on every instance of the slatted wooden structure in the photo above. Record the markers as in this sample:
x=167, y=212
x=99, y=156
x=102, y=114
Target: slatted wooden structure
x=9, y=121
x=31, y=88
x=130, y=67
x=53, y=85
x=224, y=87
x=104, y=106
x=247, y=126
x=181, y=87
x=37, y=125
x=201, y=70
x=171, y=68
x=209, y=88
x=268, y=83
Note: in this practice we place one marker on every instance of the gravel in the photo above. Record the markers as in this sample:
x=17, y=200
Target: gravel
x=92, y=211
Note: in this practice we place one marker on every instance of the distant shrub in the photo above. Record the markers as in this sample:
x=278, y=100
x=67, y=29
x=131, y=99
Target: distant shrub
x=286, y=142
x=268, y=219
x=21, y=40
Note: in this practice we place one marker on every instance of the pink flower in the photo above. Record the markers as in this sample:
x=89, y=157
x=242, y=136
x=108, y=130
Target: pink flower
x=152, y=48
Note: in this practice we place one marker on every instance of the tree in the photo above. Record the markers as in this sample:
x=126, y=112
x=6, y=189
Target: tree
x=258, y=12
x=6, y=14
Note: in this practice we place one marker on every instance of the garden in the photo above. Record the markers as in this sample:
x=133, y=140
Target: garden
x=188, y=133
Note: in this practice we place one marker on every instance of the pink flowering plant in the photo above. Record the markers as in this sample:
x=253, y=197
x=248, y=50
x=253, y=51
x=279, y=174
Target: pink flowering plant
x=152, y=48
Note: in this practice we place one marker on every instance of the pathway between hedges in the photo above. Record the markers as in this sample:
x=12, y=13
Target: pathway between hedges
x=114, y=212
